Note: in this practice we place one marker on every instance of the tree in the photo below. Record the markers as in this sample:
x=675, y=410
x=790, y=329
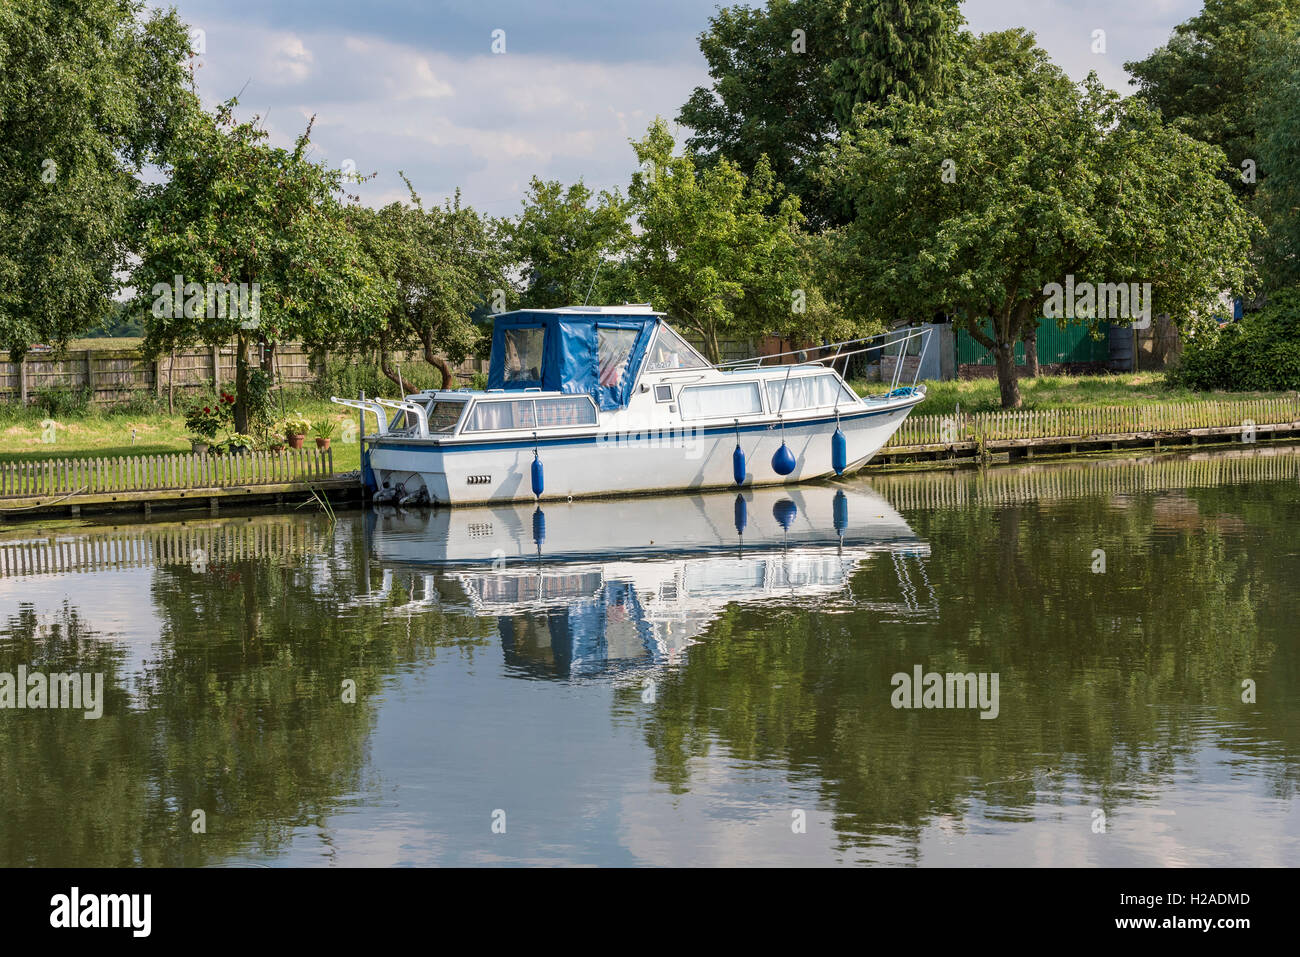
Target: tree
x=982, y=204
x=1278, y=133
x=570, y=247
x=786, y=78
x=903, y=48
x=709, y=252
x=441, y=264
x=1205, y=79
x=772, y=94
x=89, y=94
x=248, y=242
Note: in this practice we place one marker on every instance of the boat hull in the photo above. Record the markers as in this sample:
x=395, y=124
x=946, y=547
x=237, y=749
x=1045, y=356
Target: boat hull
x=612, y=462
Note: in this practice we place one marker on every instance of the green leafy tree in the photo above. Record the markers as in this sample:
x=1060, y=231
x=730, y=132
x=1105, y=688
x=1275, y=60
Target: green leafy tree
x=710, y=253
x=1278, y=136
x=977, y=204
x=442, y=265
x=787, y=76
x=89, y=93
x=903, y=48
x=247, y=241
x=1205, y=77
x=771, y=94
x=571, y=243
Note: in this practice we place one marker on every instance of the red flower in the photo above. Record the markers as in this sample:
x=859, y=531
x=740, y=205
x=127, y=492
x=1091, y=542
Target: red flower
x=206, y=410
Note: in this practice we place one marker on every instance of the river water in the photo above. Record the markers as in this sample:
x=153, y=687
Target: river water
x=686, y=680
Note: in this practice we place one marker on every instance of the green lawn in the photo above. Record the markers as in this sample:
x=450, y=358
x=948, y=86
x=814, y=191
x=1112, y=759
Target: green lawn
x=109, y=433
x=1062, y=392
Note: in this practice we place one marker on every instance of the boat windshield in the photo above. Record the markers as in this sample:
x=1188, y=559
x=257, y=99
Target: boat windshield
x=442, y=415
x=671, y=352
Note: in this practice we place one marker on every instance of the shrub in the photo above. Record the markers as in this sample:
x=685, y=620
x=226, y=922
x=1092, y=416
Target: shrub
x=140, y=403
x=1259, y=353
x=349, y=377
x=59, y=402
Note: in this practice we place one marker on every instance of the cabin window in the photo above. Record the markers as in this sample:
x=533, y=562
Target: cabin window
x=807, y=392
x=729, y=399
x=559, y=412
x=443, y=416
x=671, y=352
x=491, y=416
x=523, y=354
x=613, y=349
x=663, y=393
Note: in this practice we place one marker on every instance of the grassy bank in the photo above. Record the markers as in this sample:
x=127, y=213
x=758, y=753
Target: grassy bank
x=118, y=432
x=1063, y=392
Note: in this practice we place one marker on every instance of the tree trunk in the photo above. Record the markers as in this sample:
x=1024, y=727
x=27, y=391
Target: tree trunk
x=1030, y=339
x=171, y=383
x=386, y=367
x=711, y=346
x=438, y=362
x=1005, y=354
x=241, y=383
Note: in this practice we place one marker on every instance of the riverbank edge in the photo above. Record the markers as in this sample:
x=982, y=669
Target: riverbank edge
x=345, y=490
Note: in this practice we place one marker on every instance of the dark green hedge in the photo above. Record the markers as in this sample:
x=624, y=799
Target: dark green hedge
x=1261, y=352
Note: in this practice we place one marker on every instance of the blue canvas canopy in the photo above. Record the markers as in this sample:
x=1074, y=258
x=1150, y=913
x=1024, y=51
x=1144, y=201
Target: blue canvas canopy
x=597, y=352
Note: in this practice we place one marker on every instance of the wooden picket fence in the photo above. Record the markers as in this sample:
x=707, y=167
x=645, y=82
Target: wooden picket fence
x=94, y=549
x=163, y=472
x=997, y=487
x=1089, y=423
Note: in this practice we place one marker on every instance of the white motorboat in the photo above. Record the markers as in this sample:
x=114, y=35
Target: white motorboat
x=611, y=400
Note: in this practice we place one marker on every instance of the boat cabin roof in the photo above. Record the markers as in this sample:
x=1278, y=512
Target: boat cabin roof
x=584, y=350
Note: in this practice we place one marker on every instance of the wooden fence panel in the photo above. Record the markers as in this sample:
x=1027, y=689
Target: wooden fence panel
x=162, y=472
x=1089, y=423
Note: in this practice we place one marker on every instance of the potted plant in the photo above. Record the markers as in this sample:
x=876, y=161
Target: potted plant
x=238, y=444
x=295, y=430
x=203, y=421
x=324, y=431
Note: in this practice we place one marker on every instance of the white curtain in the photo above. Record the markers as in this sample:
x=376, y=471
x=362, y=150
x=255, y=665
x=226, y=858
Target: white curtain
x=804, y=392
x=733, y=398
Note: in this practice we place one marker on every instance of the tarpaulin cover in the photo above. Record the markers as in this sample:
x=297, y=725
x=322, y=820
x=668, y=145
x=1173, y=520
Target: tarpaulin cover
x=571, y=354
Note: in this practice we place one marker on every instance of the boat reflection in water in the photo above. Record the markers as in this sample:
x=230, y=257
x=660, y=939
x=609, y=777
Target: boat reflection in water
x=621, y=587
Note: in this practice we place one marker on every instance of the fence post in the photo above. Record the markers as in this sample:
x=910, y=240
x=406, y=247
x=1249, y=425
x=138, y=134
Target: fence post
x=22, y=380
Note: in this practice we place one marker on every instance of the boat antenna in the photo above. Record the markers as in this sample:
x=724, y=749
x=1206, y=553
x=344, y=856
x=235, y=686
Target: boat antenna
x=599, y=263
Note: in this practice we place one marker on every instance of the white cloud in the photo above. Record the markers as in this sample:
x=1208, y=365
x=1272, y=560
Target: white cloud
x=292, y=61
x=482, y=122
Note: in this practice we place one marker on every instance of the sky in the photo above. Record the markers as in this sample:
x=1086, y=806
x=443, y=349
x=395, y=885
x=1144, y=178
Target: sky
x=405, y=85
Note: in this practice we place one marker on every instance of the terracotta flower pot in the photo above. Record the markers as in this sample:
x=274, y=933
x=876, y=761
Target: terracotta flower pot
x=294, y=439
x=322, y=443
